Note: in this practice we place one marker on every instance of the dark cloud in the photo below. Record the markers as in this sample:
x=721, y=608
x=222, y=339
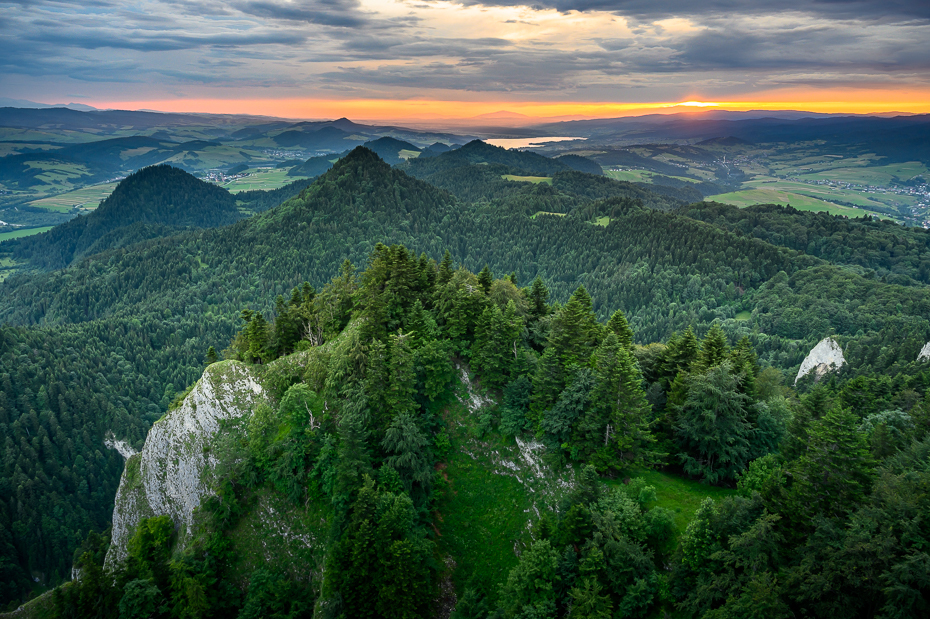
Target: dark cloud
x=339, y=13
x=650, y=10
x=345, y=46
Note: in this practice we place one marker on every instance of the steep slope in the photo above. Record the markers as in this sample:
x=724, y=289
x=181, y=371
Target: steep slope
x=153, y=202
x=175, y=467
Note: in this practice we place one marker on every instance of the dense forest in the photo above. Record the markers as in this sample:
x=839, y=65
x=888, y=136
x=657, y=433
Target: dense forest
x=827, y=520
x=717, y=307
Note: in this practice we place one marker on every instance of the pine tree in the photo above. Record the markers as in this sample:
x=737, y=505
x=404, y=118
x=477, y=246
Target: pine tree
x=714, y=349
x=402, y=380
x=485, y=279
x=446, y=270
x=712, y=430
x=834, y=473
x=621, y=328
x=539, y=299
x=211, y=356
x=614, y=431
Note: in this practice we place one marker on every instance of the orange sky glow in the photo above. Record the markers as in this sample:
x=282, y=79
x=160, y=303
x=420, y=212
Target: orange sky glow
x=832, y=101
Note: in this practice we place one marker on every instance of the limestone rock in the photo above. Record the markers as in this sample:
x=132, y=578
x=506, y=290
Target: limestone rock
x=124, y=448
x=924, y=353
x=174, y=469
x=825, y=357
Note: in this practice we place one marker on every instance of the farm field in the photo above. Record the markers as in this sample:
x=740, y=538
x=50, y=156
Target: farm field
x=85, y=198
x=260, y=178
x=641, y=176
x=748, y=197
x=872, y=175
x=18, y=234
x=528, y=179
x=824, y=192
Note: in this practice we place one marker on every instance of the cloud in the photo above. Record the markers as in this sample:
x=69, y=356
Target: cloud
x=650, y=10
x=554, y=49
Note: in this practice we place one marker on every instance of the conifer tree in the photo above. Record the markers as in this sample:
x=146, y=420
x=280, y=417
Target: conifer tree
x=712, y=430
x=621, y=328
x=614, y=432
x=211, y=356
x=539, y=299
x=485, y=279
x=834, y=473
x=575, y=330
x=409, y=454
x=446, y=270
x=714, y=349
x=402, y=380
x=496, y=344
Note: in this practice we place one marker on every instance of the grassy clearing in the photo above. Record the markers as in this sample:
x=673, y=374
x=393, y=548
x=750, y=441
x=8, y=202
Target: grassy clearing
x=261, y=178
x=534, y=215
x=408, y=154
x=86, y=198
x=748, y=197
x=743, y=315
x=602, y=221
x=528, y=179
x=490, y=490
x=20, y=233
x=680, y=495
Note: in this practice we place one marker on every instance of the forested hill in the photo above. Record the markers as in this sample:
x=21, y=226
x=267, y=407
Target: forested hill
x=897, y=254
x=125, y=330
x=478, y=152
x=151, y=202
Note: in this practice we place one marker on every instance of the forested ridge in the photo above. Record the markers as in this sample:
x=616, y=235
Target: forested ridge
x=826, y=520
x=126, y=329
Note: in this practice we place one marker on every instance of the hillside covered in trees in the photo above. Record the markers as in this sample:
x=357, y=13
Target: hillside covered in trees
x=715, y=314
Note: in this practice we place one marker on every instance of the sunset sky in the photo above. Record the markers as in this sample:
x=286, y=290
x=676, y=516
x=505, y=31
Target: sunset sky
x=387, y=59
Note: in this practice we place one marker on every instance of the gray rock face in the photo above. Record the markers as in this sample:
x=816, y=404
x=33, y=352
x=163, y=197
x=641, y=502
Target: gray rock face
x=924, y=353
x=174, y=469
x=825, y=357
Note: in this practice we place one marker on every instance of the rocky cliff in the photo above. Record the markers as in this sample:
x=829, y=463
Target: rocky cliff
x=825, y=357
x=173, y=471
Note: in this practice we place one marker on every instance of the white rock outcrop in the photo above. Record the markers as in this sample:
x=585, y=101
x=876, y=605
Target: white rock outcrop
x=173, y=471
x=825, y=357
x=124, y=448
x=924, y=353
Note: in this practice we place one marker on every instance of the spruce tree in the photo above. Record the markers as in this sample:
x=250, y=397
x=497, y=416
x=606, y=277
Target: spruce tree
x=539, y=299
x=712, y=427
x=575, y=330
x=402, y=380
x=211, y=356
x=444, y=275
x=614, y=432
x=621, y=328
x=485, y=279
x=834, y=474
x=714, y=349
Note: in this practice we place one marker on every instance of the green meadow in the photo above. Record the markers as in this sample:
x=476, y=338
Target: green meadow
x=20, y=233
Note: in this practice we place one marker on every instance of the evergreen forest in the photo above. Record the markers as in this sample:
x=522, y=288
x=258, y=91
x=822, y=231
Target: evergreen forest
x=624, y=332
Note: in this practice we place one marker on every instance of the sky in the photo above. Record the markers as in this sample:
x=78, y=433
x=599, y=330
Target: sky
x=397, y=59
